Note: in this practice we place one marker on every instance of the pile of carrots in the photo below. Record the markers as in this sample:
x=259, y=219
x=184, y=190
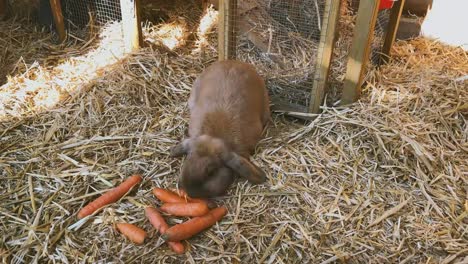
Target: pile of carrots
x=176, y=203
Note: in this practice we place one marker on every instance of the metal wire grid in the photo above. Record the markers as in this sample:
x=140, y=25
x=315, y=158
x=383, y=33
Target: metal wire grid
x=379, y=35
x=78, y=13
x=22, y=8
x=108, y=10
x=281, y=38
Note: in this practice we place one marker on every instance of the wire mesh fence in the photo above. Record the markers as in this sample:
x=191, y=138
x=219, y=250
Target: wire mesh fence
x=282, y=39
x=380, y=32
x=80, y=13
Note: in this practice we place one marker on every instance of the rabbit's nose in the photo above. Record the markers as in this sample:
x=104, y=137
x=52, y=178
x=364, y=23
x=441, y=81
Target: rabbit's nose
x=195, y=192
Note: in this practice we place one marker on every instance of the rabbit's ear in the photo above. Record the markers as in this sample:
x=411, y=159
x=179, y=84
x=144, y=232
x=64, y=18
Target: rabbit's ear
x=244, y=167
x=181, y=149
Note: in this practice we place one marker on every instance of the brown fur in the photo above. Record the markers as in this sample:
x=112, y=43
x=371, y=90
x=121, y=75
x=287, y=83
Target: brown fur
x=229, y=110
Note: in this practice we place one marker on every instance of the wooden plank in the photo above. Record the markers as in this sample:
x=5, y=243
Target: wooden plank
x=131, y=24
x=280, y=104
x=360, y=48
x=392, y=29
x=233, y=29
x=418, y=8
x=3, y=9
x=56, y=7
x=290, y=109
x=408, y=28
x=138, y=21
x=325, y=53
x=222, y=30
x=226, y=29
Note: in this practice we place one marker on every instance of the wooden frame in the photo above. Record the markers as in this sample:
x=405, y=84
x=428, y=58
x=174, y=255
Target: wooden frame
x=360, y=49
x=392, y=29
x=226, y=29
x=325, y=53
x=226, y=50
x=3, y=8
x=131, y=24
x=56, y=9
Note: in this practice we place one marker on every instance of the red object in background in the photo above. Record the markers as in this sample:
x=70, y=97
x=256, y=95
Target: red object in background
x=386, y=4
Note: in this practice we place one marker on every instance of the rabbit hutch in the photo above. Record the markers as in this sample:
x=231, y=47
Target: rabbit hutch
x=307, y=50
x=292, y=43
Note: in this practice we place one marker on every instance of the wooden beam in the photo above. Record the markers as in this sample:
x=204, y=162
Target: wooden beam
x=131, y=24
x=360, y=48
x=392, y=29
x=222, y=24
x=227, y=30
x=56, y=8
x=138, y=21
x=325, y=53
x=409, y=27
x=3, y=9
x=290, y=109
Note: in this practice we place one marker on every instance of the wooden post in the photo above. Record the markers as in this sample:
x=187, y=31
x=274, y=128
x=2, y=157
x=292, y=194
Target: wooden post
x=3, y=8
x=141, y=42
x=359, y=53
x=392, y=29
x=56, y=7
x=131, y=25
x=325, y=52
x=227, y=30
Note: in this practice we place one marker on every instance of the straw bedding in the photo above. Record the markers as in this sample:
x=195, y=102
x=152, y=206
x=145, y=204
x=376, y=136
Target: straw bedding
x=383, y=181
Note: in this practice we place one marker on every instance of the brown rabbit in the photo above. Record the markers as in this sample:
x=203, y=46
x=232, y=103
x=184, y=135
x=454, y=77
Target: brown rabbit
x=229, y=109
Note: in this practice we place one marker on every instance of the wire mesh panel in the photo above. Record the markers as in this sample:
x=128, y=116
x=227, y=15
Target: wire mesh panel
x=374, y=32
x=78, y=13
x=281, y=38
x=379, y=31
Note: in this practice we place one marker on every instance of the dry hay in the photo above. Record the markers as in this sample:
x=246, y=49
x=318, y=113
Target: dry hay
x=42, y=85
x=383, y=181
x=17, y=50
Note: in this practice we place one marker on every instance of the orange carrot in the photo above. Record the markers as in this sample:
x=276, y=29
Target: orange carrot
x=184, y=195
x=167, y=196
x=194, y=226
x=156, y=218
x=185, y=209
x=111, y=196
x=160, y=224
x=132, y=232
